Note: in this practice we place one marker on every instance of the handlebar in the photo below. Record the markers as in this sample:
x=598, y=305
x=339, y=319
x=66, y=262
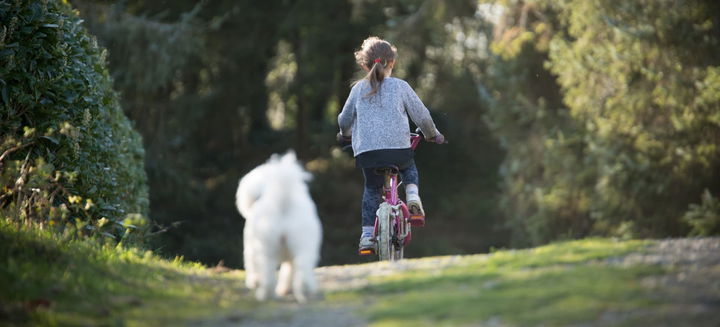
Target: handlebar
x=419, y=133
x=346, y=141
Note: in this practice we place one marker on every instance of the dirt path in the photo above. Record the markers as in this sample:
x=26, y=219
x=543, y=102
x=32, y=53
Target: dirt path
x=336, y=278
x=350, y=277
x=692, y=284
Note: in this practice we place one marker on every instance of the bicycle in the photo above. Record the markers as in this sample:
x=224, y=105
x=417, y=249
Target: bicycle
x=393, y=220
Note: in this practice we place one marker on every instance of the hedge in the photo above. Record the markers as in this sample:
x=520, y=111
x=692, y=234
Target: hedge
x=68, y=154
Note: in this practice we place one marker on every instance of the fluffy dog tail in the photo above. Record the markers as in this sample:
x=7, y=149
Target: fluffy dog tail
x=271, y=187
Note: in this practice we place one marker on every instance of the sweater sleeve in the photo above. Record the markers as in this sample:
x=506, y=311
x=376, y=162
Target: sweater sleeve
x=417, y=111
x=348, y=114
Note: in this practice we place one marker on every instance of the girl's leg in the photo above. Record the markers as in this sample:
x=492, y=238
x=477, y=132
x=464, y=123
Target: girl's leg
x=411, y=180
x=412, y=195
x=372, y=198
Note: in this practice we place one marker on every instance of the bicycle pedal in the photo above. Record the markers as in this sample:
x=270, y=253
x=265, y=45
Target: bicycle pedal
x=366, y=252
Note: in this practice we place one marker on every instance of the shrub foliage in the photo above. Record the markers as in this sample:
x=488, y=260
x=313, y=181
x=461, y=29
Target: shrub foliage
x=68, y=154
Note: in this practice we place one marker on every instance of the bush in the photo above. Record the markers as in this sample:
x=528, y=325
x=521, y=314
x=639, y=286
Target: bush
x=704, y=218
x=68, y=154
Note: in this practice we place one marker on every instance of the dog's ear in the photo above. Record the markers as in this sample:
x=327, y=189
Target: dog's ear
x=274, y=158
x=289, y=156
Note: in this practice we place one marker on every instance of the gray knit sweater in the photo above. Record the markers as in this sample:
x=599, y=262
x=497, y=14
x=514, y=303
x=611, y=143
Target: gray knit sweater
x=380, y=121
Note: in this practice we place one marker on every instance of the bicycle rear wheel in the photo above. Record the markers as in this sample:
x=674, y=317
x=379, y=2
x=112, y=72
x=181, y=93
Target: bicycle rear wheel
x=384, y=237
x=397, y=253
x=398, y=236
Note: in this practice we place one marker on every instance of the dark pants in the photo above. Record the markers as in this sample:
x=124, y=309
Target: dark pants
x=372, y=195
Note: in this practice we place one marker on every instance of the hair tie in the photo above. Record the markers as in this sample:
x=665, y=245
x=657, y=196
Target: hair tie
x=378, y=60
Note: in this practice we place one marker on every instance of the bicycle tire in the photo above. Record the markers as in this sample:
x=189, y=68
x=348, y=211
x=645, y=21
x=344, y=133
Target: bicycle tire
x=398, y=249
x=397, y=253
x=384, y=241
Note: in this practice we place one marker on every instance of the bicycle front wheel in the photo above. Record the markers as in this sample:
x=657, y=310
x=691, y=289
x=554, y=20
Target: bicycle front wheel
x=384, y=237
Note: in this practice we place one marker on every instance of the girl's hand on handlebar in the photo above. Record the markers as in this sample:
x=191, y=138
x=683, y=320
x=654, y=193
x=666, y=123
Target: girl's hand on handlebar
x=342, y=140
x=439, y=139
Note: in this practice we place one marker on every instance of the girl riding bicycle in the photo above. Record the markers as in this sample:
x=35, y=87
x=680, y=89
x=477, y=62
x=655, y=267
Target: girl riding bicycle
x=376, y=114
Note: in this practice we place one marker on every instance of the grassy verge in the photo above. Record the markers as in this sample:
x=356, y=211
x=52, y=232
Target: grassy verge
x=48, y=281
x=560, y=284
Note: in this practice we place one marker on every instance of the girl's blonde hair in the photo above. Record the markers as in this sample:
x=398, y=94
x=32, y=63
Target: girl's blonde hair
x=376, y=54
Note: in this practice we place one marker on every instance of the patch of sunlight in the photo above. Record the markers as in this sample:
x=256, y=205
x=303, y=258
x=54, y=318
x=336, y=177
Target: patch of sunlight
x=561, y=283
x=319, y=165
x=283, y=70
x=554, y=295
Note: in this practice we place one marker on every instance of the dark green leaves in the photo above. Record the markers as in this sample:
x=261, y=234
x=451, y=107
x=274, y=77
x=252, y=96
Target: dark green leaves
x=83, y=157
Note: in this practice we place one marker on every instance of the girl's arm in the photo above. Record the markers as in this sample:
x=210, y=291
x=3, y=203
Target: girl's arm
x=417, y=111
x=347, y=115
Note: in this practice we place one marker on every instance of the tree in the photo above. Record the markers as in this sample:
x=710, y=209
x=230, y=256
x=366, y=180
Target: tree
x=609, y=114
x=642, y=78
x=543, y=177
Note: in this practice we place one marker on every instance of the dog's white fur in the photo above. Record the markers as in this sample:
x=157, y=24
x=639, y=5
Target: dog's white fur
x=282, y=228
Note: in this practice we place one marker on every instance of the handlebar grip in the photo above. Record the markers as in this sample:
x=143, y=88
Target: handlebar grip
x=343, y=140
x=419, y=132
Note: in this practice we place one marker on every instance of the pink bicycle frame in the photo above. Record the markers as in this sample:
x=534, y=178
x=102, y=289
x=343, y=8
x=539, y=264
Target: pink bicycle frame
x=391, y=194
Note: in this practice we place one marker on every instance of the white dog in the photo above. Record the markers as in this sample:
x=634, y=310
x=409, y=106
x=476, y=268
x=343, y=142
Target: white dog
x=282, y=228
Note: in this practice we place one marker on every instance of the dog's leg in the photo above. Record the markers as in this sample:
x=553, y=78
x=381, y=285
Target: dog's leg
x=249, y=260
x=304, y=284
x=251, y=280
x=267, y=278
x=284, y=278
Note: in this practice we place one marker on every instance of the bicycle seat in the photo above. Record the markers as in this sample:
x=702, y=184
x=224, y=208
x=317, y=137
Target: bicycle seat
x=388, y=169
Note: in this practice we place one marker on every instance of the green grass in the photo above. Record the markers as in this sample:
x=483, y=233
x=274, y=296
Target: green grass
x=45, y=280
x=558, y=284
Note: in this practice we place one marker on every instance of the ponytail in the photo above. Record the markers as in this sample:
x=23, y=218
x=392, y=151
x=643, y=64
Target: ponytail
x=375, y=76
x=375, y=55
